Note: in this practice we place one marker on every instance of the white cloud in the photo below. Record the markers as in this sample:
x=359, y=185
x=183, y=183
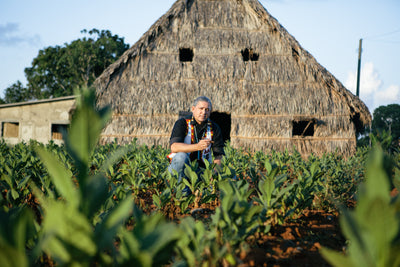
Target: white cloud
x=371, y=92
x=390, y=95
x=11, y=36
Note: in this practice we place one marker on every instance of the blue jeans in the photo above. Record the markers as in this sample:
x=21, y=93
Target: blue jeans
x=178, y=164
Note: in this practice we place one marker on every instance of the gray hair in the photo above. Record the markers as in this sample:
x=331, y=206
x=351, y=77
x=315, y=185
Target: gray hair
x=202, y=99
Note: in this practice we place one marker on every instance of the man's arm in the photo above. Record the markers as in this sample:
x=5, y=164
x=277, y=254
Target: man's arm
x=187, y=148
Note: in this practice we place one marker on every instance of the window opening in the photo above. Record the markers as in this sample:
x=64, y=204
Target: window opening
x=185, y=54
x=57, y=131
x=249, y=54
x=10, y=129
x=303, y=128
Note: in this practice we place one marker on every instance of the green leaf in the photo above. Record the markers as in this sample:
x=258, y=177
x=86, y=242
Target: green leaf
x=11, y=257
x=106, y=231
x=377, y=182
x=156, y=200
x=56, y=249
x=119, y=214
x=66, y=230
x=268, y=166
x=16, y=228
x=192, y=176
x=14, y=194
x=61, y=177
x=96, y=193
x=266, y=187
x=372, y=228
x=130, y=247
x=152, y=241
x=86, y=126
x=114, y=158
x=336, y=259
x=24, y=181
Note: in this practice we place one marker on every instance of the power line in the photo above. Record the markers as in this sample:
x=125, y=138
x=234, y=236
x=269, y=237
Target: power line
x=372, y=37
x=384, y=41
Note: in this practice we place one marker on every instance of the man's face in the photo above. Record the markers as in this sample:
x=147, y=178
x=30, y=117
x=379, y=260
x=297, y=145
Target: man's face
x=201, y=111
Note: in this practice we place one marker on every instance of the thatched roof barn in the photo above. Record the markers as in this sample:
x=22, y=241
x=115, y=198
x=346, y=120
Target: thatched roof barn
x=268, y=92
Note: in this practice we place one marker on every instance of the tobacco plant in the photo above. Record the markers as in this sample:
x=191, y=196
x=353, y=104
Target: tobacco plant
x=236, y=218
x=17, y=232
x=373, y=227
x=66, y=232
x=272, y=190
x=199, y=245
x=151, y=242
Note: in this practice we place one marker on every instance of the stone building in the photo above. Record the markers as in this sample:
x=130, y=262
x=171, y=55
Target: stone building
x=41, y=120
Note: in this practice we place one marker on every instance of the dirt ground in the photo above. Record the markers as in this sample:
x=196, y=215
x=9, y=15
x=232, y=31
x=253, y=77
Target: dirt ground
x=295, y=243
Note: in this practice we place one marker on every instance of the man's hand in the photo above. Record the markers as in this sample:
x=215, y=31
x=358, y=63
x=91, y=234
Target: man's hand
x=203, y=144
x=187, y=148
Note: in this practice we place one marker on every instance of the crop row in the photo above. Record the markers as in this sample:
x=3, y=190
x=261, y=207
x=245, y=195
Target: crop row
x=83, y=204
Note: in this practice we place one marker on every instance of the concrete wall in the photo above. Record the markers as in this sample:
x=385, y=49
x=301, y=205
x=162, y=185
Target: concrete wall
x=38, y=120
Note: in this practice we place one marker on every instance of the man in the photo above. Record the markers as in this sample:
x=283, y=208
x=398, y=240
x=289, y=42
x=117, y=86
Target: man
x=195, y=137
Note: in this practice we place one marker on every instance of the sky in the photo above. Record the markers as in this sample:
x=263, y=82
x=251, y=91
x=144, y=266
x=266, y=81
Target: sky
x=330, y=30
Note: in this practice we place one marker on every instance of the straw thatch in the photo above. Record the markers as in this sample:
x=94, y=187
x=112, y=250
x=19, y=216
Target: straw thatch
x=236, y=53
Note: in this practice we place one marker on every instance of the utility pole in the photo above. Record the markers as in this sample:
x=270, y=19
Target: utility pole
x=359, y=67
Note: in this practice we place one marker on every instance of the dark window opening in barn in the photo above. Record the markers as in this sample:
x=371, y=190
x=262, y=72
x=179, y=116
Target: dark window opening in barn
x=10, y=129
x=57, y=131
x=303, y=128
x=185, y=54
x=222, y=119
x=249, y=54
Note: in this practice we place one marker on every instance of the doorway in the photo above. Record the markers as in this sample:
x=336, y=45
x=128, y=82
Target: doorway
x=224, y=122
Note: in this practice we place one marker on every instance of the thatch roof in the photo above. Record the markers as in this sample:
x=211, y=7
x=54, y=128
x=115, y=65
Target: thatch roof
x=243, y=59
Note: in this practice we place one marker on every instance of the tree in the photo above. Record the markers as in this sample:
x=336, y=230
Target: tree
x=16, y=93
x=385, y=128
x=387, y=118
x=57, y=71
